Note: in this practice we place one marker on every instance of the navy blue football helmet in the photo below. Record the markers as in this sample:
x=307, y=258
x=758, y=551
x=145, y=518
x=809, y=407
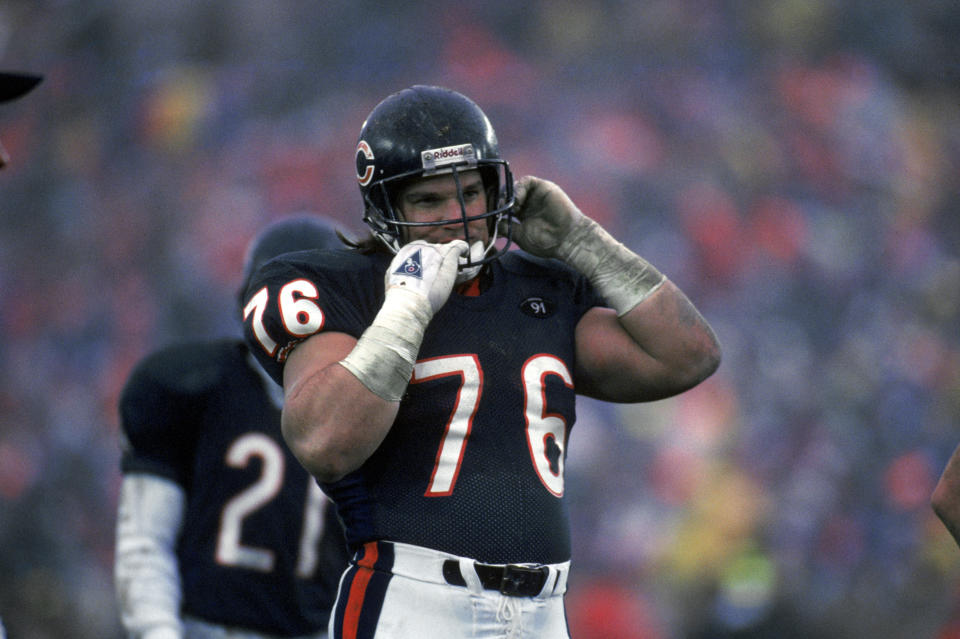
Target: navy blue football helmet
x=298, y=232
x=421, y=132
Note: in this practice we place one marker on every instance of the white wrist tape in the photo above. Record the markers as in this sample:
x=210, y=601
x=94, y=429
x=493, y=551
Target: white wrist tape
x=622, y=277
x=146, y=570
x=384, y=356
x=162, y=632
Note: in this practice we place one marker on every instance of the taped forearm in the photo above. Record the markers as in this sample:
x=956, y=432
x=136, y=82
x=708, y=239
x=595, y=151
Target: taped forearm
x=622, y=277
x=384, y=356
x=146, y=572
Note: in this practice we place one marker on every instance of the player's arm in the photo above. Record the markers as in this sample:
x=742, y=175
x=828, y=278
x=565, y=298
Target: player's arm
x=652, y=342
x=146, y=572
x=661, y=347
x=946, y=496
x=331, y=421
x=341, y=395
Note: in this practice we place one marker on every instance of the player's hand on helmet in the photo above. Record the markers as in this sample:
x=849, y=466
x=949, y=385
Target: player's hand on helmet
x=429, y=270
x=543, y=217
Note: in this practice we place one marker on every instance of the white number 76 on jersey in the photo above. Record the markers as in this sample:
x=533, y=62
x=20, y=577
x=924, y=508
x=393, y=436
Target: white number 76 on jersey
x=301, y=317
x=300, y=314
x=542, y=427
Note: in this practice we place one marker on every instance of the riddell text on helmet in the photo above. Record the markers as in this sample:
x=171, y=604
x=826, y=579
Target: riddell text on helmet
x=435, y=158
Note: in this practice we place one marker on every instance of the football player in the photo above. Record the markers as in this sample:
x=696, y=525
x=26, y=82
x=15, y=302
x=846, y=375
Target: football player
x=946, y=496
x=221, y=533
x=12, y=86
x=430, y=374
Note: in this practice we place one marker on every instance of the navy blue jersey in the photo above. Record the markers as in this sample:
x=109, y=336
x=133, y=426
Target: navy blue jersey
x=260, y=547
x=473, y=464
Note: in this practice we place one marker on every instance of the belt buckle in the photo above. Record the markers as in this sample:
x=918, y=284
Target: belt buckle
x=522, y=581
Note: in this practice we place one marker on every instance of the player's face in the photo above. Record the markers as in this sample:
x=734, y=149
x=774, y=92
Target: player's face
x=434, y=199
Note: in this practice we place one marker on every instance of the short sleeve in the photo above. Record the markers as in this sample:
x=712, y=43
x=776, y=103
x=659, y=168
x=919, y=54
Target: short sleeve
x=298, y=295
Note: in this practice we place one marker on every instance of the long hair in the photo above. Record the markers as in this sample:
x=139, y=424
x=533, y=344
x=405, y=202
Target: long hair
x=367, y=244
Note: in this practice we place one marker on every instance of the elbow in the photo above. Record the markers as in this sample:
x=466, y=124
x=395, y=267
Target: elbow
x=701, y=365
x=319, y=457
x=329, y=467
x=698, y=368
x=317, y=449
x=710, y=360
x=940, y=502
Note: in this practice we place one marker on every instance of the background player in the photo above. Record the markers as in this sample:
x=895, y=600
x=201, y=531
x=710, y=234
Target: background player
x=439, y=421
x=12, y=86
x=220, y=530
x=946, y=496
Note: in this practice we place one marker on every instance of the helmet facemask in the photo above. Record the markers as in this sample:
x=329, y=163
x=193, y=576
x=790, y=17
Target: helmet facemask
x=386, y=221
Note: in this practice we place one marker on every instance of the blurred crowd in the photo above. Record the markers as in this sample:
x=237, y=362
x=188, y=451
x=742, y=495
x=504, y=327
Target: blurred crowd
x=793, y=165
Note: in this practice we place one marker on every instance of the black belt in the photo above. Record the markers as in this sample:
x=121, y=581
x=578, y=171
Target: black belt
x=511, y=580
